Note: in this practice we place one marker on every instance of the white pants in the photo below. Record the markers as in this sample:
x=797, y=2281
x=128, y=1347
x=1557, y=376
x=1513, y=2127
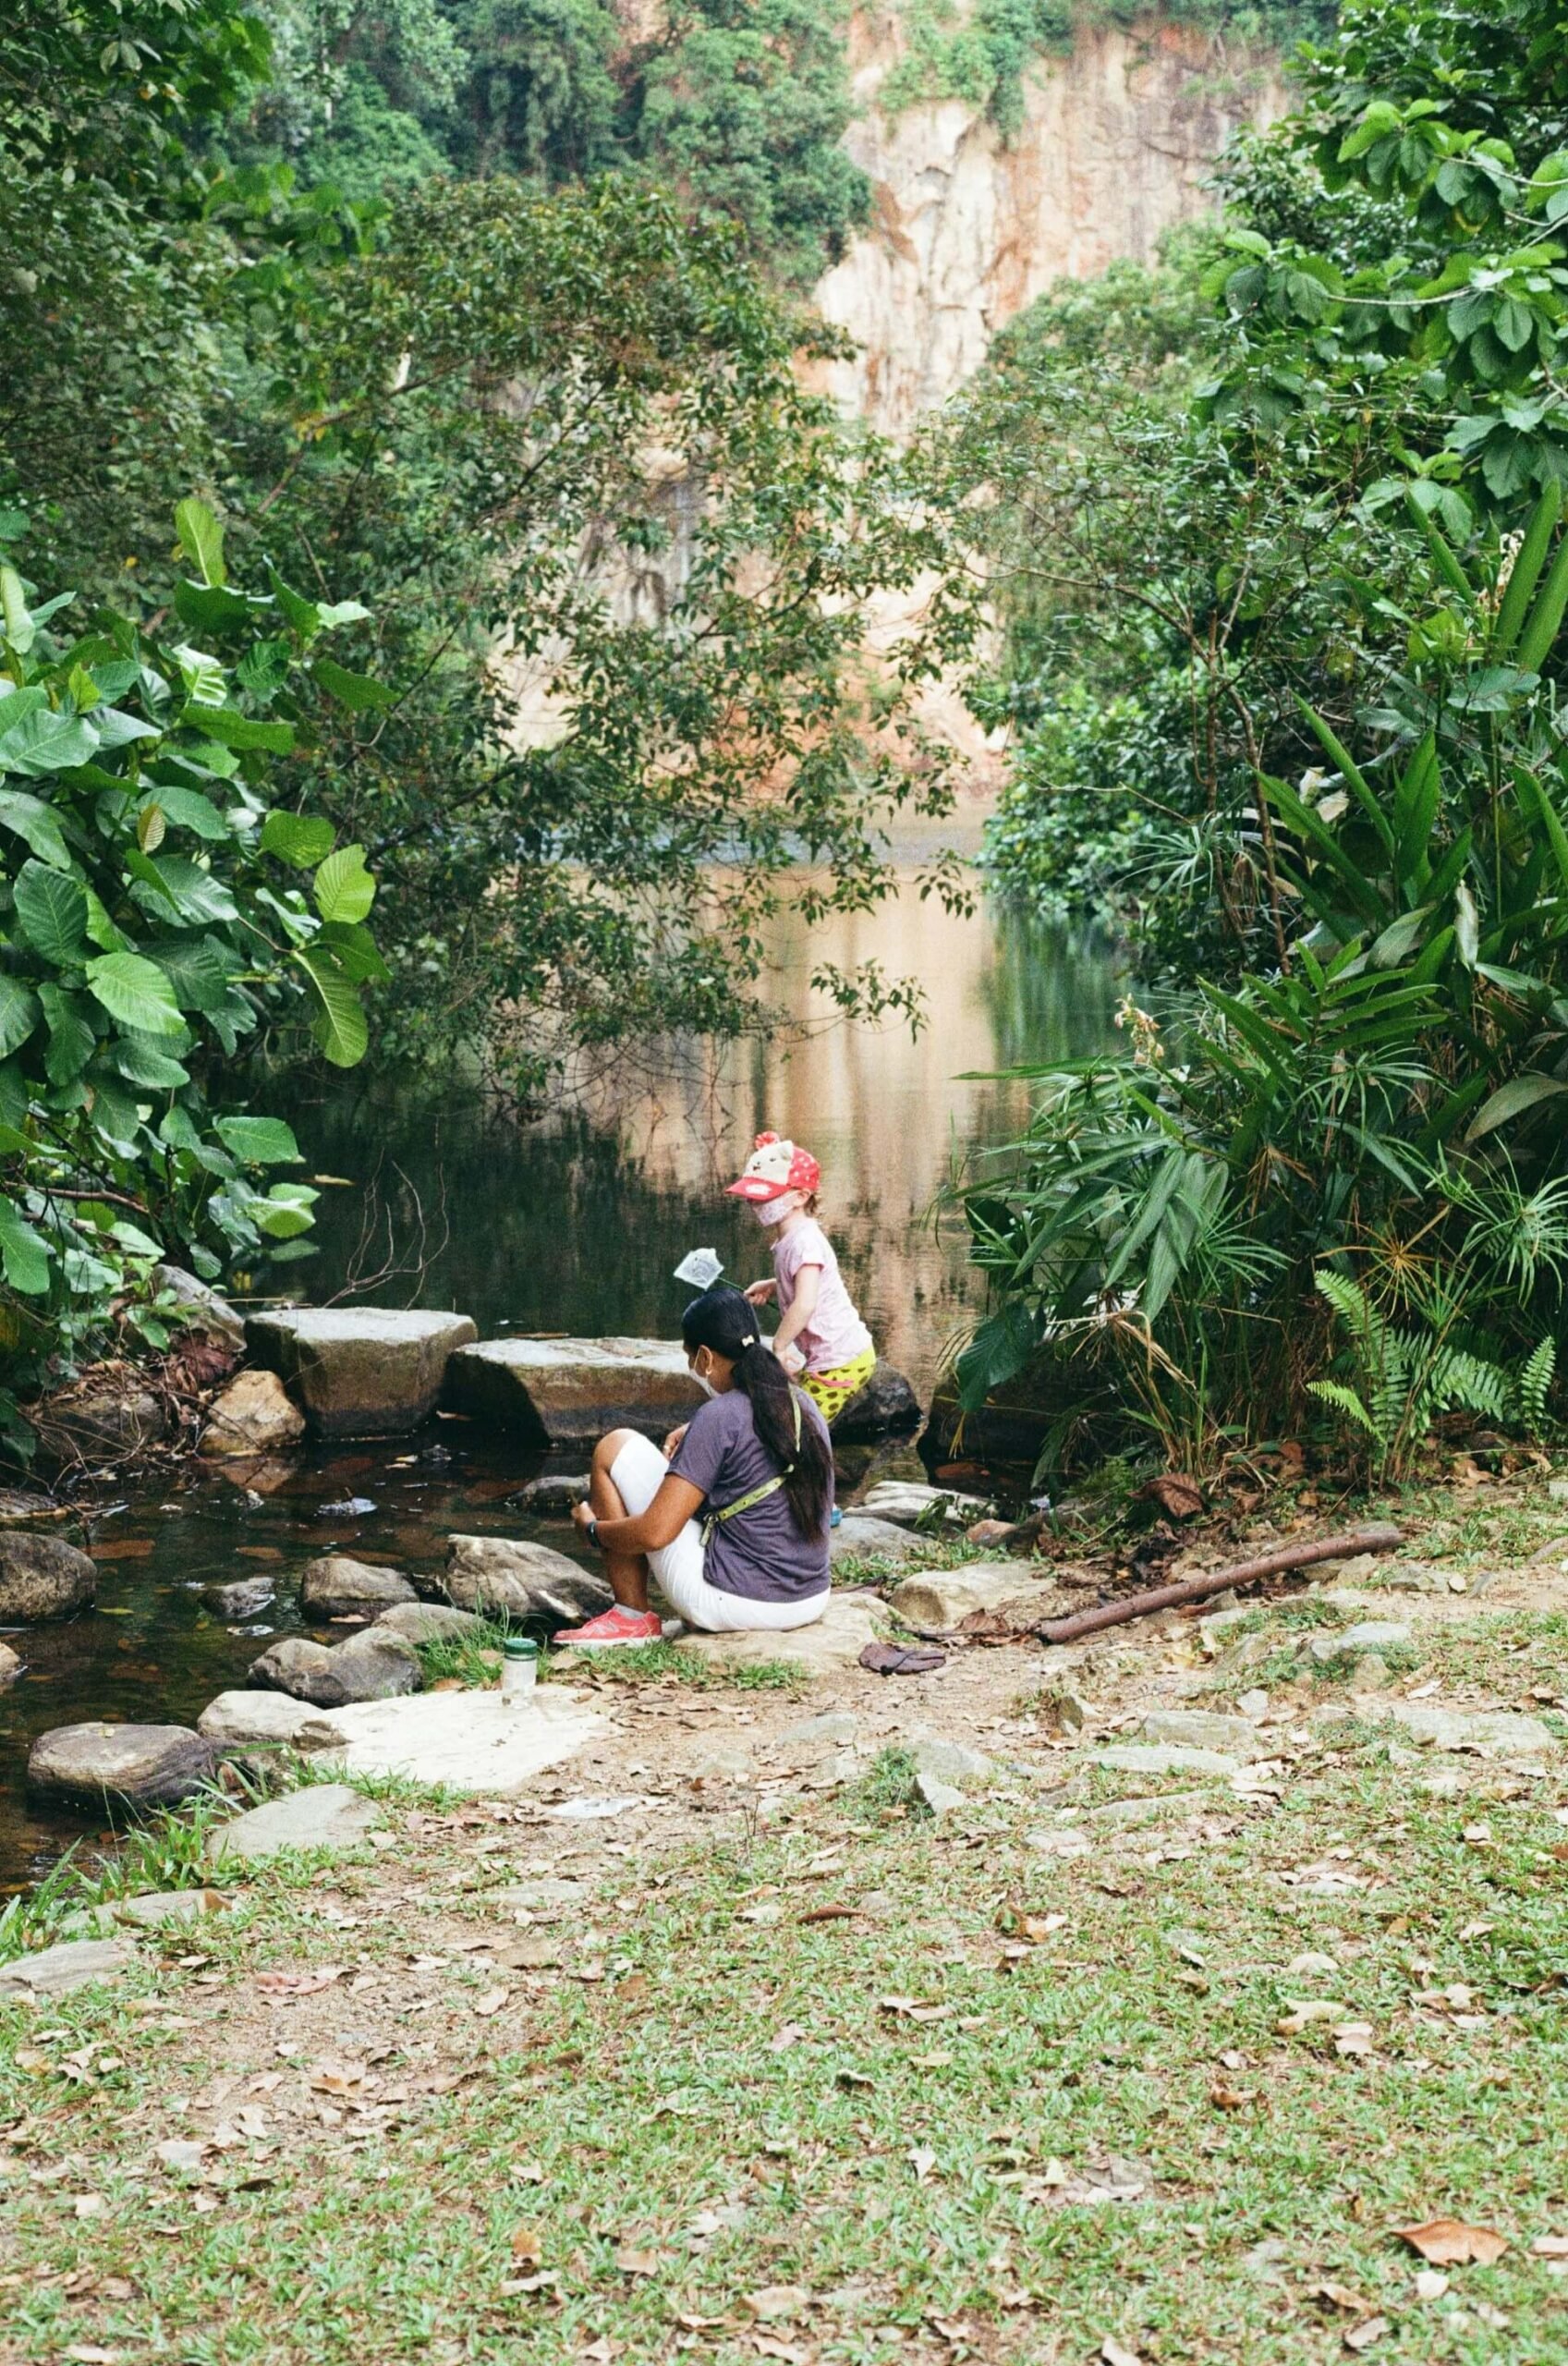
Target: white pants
x=636, y=1474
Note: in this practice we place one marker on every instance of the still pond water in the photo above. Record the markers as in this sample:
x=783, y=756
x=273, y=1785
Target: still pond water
x=573, y=1226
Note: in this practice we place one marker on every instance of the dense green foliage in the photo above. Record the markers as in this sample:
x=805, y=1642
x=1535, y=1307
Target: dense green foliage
x=736, y=106
x=156, y=936
x=1248, y=513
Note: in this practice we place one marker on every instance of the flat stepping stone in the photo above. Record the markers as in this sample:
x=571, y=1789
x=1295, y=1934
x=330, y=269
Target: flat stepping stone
x=1204, y=1729
x=907, y=1502
x=507, y=1577
x=322, y=1815
x=553, y=1497
x=145, y=1765
x=154, y=1908
x=245, y=1719
x=56, y=1971
x=1156, y=1758
x=366, y=1374
x=1153, y=1809
x=41, y=1577
x=338, y=1587
x=859, y=1535
x=468, y=1741
x=1494, y=1733
x=942, y=1599
x=830, y=1643
x=1370, y=1635
x=568, y=1392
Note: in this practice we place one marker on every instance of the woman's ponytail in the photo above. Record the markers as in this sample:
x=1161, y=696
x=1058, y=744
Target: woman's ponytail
x=721, y=1321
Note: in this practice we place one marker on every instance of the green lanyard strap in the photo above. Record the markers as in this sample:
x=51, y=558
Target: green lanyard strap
x=758, y=1495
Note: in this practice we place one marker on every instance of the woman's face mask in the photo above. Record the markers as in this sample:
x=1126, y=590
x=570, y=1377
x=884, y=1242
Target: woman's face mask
x=772, y=1212
x=702, y=1381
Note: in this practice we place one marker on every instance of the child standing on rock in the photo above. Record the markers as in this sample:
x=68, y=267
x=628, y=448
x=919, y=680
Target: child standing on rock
x=819, y=1333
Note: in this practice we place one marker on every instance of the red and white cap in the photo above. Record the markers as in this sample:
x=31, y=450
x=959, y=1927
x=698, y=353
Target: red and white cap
x=775, y=1167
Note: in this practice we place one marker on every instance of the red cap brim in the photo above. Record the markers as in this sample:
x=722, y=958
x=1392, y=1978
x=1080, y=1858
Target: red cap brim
x=751, y=1187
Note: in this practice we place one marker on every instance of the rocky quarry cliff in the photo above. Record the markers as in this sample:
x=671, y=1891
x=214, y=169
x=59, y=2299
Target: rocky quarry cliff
x=968, y=226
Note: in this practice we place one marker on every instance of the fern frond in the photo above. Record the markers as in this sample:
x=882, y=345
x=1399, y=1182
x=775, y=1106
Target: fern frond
x=1462, y=1383
x=1344, y=1400
x=1536, y=1377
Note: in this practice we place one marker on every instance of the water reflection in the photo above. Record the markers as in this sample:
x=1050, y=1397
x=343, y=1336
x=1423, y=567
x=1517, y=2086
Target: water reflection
x=574, y=1224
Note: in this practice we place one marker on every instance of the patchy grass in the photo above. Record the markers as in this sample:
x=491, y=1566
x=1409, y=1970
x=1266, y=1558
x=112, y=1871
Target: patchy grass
x=163, y=1851
x=672, y=1663
x=471, y=1659
x=957, y=2126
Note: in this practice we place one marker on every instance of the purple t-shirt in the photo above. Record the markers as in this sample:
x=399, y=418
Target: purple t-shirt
x=759, y=1553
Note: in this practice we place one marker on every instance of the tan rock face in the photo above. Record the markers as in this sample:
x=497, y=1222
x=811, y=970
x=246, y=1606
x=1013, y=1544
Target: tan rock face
x=968, y=229
x=253, y=1416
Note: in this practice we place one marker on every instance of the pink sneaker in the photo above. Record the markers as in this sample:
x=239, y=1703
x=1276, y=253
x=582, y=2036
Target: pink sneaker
x=612, y=1629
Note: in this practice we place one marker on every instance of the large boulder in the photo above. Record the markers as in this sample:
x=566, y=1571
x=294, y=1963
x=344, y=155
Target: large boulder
x=201, y=1306
x=909, y=1504
x=886, y=1407
x=362, y=1372
x=339, y=1587
x=10, y=1667
x=254, y=1415
x=240, y=1598
x=568, y=1392
x=41, y=1577
x=859, y=1536
x=464, y=1741
x=501, y=1578
x=19, y=1506
x=374, y=1665
x=146, y=1765
x=102, y=1419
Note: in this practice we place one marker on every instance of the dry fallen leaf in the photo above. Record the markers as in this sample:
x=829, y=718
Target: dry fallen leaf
x=491, y=2002
x=336, y=2077
x=1550, y=2246
x=517, y=2286
x=297, y=1983
x=633, y=2262
x=1114, y=2355
x=528, y=2247
x=923, y=2160
x=1363, y=2336
x=829, y=1914
x=778, y=2303
x=781, y=2040
x=1449, y=2242
x=1339, y=2296
x=1225, y=2097
x=767, y=2345
x=89, y=2354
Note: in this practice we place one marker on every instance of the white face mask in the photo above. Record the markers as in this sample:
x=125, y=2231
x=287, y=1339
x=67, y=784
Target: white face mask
x=771, y=1211
x=703, y=1382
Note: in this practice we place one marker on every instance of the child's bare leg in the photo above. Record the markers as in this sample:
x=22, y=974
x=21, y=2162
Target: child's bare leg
x=626, y=1572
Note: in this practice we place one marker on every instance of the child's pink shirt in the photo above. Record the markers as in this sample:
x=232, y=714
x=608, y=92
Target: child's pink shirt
x=835, y=1334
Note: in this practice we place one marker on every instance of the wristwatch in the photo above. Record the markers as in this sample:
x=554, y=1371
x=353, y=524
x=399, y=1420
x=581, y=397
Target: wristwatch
x=591, y=1532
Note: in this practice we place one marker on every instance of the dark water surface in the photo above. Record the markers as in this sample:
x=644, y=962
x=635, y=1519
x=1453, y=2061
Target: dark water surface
x=573, y=1226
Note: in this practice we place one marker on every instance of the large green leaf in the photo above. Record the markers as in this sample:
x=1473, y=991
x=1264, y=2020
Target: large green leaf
x=339, y=1025
x=1511, y=1100
x=259, y=1141
x=299, y=838
x=41, y=742
x=23, y=1255
x=72, y=1040
x=36, y=824
x=232, y=729
x=201, y=539
x=51, y=908
x=136, y=992
x=360, y=693
x=140, y=1061
x=18, y=1015
x=343, y=888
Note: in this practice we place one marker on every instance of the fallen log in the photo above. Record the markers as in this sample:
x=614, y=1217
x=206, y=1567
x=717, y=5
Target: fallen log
x=1380, y=1539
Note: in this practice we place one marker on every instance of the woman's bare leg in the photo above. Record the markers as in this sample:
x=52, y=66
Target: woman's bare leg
x=626, y=1572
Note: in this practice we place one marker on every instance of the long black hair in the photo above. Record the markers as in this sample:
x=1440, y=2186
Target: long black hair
x=721, y=1321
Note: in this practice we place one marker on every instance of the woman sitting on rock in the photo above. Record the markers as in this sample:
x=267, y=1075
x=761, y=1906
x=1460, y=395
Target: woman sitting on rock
x=734, y=1525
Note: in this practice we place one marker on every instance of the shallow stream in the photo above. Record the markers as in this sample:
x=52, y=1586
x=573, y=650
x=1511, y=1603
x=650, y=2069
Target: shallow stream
x=573, y=1226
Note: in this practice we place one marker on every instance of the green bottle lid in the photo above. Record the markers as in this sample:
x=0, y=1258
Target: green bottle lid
x=520, y=1647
